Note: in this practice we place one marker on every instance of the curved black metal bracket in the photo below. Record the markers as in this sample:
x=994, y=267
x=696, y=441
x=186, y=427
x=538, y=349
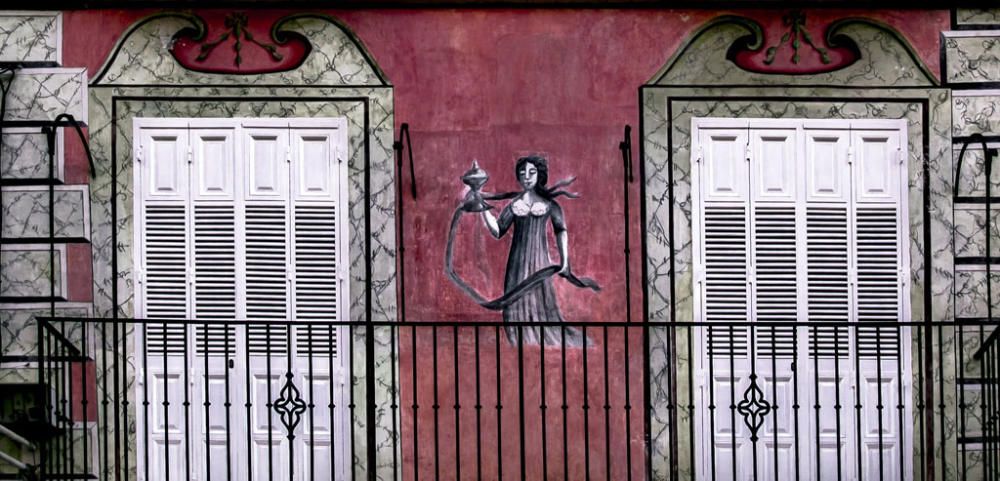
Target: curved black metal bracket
x=626, y=147
x=70, y=120
x=404, y=134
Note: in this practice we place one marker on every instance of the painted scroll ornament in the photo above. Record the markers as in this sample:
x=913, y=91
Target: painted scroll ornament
x=796, y=52
x=236, y=45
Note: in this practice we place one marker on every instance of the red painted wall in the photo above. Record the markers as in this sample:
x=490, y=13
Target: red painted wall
x=491, y=85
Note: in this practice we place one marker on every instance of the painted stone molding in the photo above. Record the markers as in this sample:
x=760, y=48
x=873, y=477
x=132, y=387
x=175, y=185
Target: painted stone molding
x=19, y=331
x=27, y=270
x=797, y=52
x=708, y=57
x=31, y=37
x=972, y=177
x=26, y=212
x=977, y=16
x=336, y=57
x=972, y=56
x=24, y=154
x=976, y=112
x=242, y=47
x=44, y=93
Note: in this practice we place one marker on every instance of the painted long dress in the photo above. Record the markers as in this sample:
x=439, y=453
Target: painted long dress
x=529, y=252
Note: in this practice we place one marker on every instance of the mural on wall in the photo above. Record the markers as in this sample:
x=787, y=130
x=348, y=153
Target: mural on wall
x=529, y=294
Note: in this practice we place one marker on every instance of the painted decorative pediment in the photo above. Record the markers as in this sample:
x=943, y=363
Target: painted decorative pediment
x=732, y=50
x=186, y=49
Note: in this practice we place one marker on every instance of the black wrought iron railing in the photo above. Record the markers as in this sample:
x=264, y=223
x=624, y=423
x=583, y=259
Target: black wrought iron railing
x=245, y=400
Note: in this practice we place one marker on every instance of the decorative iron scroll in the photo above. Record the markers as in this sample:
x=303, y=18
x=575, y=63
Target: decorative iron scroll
x=290, y=406
x=753, y=407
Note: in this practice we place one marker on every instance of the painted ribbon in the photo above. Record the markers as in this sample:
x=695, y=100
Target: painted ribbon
x=473, y=206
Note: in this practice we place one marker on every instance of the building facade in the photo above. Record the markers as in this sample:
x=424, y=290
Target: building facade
x=485, y=243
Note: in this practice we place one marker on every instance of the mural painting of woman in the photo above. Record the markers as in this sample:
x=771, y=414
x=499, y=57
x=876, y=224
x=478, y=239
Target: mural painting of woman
x=529, y=293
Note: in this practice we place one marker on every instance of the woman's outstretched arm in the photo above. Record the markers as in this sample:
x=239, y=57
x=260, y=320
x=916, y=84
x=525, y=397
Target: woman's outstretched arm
x=498, y=227
x=491, y=224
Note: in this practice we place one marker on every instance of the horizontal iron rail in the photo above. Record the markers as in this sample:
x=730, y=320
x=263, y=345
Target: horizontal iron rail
x=201, y=322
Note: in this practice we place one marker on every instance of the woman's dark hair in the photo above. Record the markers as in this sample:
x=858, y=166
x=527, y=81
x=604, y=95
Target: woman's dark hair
x=541, y=187
x=541, y=165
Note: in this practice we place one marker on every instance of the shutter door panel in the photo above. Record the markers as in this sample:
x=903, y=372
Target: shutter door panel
x=314, y=165
x=266, y=154
x=724, y=175
x=774, y=153
x=214, y=172
x=828, y=175
x=164, y=159
x=876, y=166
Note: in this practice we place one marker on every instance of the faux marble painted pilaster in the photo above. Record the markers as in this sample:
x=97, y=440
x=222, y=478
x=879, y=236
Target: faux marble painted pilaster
x=972, y=59
x=31, y=37
x=26, y=273
x=24, y=154
x=44, y=93
x=26, y=212
x=976, y=111
x=977, y=16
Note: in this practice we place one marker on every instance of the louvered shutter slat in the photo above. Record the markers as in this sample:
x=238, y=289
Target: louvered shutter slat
x=828, y=277
x=725, y=261
x=776, y=283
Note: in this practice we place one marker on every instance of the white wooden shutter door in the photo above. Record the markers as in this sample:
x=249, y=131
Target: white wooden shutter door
x=268, y=277
x=217, y=265
x=724, y=246
x=774, y=190
x=316, y=173
x=827, y=260
x=162, y=197
x=815, y=233
x=879, y=290
x=243, y=222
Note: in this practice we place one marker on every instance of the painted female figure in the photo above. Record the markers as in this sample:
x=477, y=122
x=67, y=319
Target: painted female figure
x=529, y=213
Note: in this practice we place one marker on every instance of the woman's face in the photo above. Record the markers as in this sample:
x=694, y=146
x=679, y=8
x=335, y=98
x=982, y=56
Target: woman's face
x=528, y=176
